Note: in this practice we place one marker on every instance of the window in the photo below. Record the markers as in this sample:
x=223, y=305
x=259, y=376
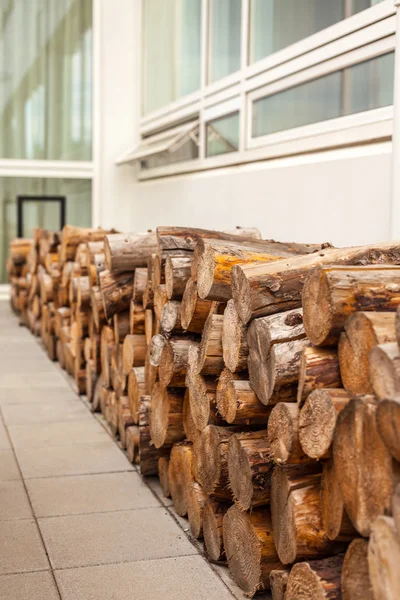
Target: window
x=171, y=51
x=225, y=31
x=223, y=135
x=358, y=88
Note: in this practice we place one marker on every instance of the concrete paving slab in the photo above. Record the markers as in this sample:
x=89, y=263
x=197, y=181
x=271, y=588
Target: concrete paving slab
x=28, y=586
x=54, y=395
x=82, y=459
x=186, y=578
x=51, y=412
x=89, y=494
x=21, y=548
x=4, y=441
x=102, y=538
x=14, y=502
x=8, y=466
x=36, y=435
x=11, y=380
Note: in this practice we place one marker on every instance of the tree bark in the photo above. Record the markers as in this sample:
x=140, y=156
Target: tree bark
x=116, y=292
x=319, y=368
x=194, y=312
x=213, y=516
x=275, y=346
x=283, y=435
x=73, y=236
x=250, y=548
x=107, y=342
x=180, y=476
x=184, y=238
x=315, y=580
x=363, y=331
x=384, y=560
x=136, y=318
x=384, y=370
x=237, y=403
x=356, y=584
x=250, y=468
x=388, y=423
x=160, y=300
x=166, y=406
x=140, y=279
x=124, y=252
x=334, y=517
x=234, y=340
x=318, y=421
x=363, y=464
x=266, y=288
x=177, y=274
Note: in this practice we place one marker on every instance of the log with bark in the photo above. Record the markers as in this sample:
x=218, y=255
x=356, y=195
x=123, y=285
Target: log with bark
x=250, y=468
x=356, y=583
x=180, y=475
x=318, y=420
x=186, y=238
x=283, y=435
x=234, y=340
x=203, y=406
x=334, y=517
x=196, y=502
x=315, y=580
x=116, y=291
x=332, y=293
x=384, y=370
x=163, y=467
x=213, y=515
x=211, y=461
x=125, y=252
x=189, y=426
x=166, y=407
x=125, y=419
x=250, y=548
x=266, y=288
x=194, y=311
x=275, y=348
x=363, y=464
x=384, y=559
x=171, y=317
x=174, y=362
x=177, y=274
x=121, y=322
x=363, y=331
x=134, y=352
x=97, y=306
x=237, y=403
x=319, y=368
x=132, y=443
x=278, y=582
x=137, y=318
x=148, y=453
x=210, y=360
x=136, y=389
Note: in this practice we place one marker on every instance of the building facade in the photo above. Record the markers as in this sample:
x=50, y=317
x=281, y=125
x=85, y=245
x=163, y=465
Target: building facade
x=213, y=113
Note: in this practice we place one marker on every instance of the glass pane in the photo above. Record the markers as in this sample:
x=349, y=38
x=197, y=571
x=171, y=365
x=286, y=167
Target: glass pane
x=37, y=213
x=225, y=28
x=189, y=150
x=275, y=24
x=358, y=88
x=78, y=193
x=223, y=135
x=46, y=79
x=171, y=51
x=359, y=5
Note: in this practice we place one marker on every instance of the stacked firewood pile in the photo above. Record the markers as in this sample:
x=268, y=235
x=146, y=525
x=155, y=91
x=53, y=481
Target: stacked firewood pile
x=18, y=272
x=260, y=380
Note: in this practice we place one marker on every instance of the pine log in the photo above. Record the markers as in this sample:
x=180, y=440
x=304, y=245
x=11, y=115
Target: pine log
x=334, y=517
x=174, y=361
x=134, y=352
x=196, y=501
x=283, y=435
x=388, y=423
x=180, y=475
x=203, y=406
x=118, y=377
x=177, y=274
x=136, y=389
x=156, y=349
x=184, y=238
x=97, y=306
x=234, y=340
x=121, y=326
x=125, y=419
x=384, y=370
x=278, y=582
x=166, y=407
x=210, y=359
x=318, y=420
x=136, y=318
x=384, y=559
x=275, y=346
x=93, y=248
x=297, y=517
x=356, y=583
x=83, y=293
x=140, y=279
x=396, y=508
x=95, y=406
x=163, y=468
x=213, y=515
x=250, y=468
x=171, y=317
x=237, y=403
x=189, y=427
x=132, y=443
x=125, y=252
x=19, y=249
x=250, y=548
x=266, y=288
x=107, y=342
x=362, y=332
x=73, y=236
x=116, y=292
x=104, y=400
x=315, y=580
x=363, y=464
x=150, y=373
x=90, y=379
x=148, y=296
x=319, y=368
x=160, y=300
x=211, y=461
x=148, y=453
x=194, y=312
x=148, y=325
x=99, y=263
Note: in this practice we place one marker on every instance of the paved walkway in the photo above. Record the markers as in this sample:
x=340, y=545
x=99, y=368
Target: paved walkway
x=78, y=523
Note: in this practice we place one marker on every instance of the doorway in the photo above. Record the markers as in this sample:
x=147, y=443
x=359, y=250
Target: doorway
x=39, y=211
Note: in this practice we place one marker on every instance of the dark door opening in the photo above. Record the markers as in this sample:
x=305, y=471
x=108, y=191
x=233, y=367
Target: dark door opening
x=40, y=211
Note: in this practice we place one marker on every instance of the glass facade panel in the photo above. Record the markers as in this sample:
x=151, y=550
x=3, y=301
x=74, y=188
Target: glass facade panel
x=223, y=135
x=78, y=193
x=358, y=88
x=224, y=38
x=275, y=24
x=171, y=51
x=46, y=79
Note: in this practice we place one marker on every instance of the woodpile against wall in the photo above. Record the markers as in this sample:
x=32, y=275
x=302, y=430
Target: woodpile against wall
x=260, y=380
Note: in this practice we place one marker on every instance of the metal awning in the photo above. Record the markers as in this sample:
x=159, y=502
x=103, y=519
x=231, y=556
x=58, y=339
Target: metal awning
x=167, y=141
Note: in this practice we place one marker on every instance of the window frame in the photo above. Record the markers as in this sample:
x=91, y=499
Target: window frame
x=364, y=35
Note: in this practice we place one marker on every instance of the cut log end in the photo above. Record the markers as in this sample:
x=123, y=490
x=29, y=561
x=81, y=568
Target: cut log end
x=384, y=560
x=356, y=583
x=241, y=294
x=234, y=340
x=212, y=530
x=315, y=580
